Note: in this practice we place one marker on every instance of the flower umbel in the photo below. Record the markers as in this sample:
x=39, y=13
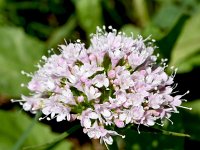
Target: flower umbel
x=113, y=83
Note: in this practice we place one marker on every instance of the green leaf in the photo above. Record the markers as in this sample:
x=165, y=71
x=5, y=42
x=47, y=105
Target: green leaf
x=195, y=105
x=18, y=51
x=167, y=16
x=189, y=64
x=56, y=142
x=62, y=32
x=188, y=44
x=164, y=20
x=192, y=119
x=167, y=43
x=14, y=123
x=130, y=29
x=2, y=3
x=26, y=133
x=154, y=31
x=89, y=14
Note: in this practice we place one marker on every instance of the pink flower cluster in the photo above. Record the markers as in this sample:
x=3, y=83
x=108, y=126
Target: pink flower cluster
x=113, y=83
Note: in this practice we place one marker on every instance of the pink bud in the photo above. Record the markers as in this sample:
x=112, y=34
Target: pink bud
x=119, y=123
x=92, y=57
x=80, y=99
x=111, y=74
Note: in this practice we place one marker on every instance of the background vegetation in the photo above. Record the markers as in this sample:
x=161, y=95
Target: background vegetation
x=29, y=28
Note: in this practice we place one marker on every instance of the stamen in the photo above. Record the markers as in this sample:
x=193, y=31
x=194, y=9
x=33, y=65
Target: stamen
x=138, y=128
x=189, y=108
x=41, y=118
x=110, y=27
x=174, y=92
x=38, y=66
x=160, y=124
x=106, y=145
x=169, y=120
x=104, y=27
x=174, y=86
x=26, y=74
x=44, y=58
x=13, y=100
x=186, y=93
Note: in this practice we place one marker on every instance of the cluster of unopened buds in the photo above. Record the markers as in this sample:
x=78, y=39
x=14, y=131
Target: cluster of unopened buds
x=113, y=83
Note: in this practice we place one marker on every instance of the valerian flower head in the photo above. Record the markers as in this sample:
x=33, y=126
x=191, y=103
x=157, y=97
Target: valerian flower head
x=115, y=82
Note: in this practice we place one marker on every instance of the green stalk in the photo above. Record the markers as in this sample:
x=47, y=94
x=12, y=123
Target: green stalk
x=141, y=12
x=160, y=131
x=174, y=133
x=26, y=133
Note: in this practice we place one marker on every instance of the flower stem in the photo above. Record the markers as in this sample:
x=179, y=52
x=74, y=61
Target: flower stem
x=175, y=133
x=141, y=11
x=160, y=131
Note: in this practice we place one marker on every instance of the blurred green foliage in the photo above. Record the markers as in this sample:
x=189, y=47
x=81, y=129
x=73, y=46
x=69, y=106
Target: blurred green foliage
x=28, y=28
x=13, y=124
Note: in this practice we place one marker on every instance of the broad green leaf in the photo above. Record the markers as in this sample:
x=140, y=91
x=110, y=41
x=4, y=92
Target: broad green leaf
x=167, y=16
x=190, y=63
x=195, y=105
x=18, y=51
x=188, y=44
x=2, y=3
x=192, y=119
x=130, y=29
x=89, y=14
x=169, y=20
x=154, y=31
x=167, y=43
x=62, y=32
x=14, y=123
x=163, y=21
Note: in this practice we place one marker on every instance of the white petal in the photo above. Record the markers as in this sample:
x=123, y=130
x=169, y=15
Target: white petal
x=72, y=78
x=52, y=115
x=60, y=117
x=93, y=115
x=26, y=106
x=128, y=120
x=87, y=123
x=50, y=85
x=92, y=90
x=91, y=134
x=106, y=113
x=108, y=140
x=97, y=95
x=122, y=117
x=106, y=82
x=99, y=84
x=46, y=110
